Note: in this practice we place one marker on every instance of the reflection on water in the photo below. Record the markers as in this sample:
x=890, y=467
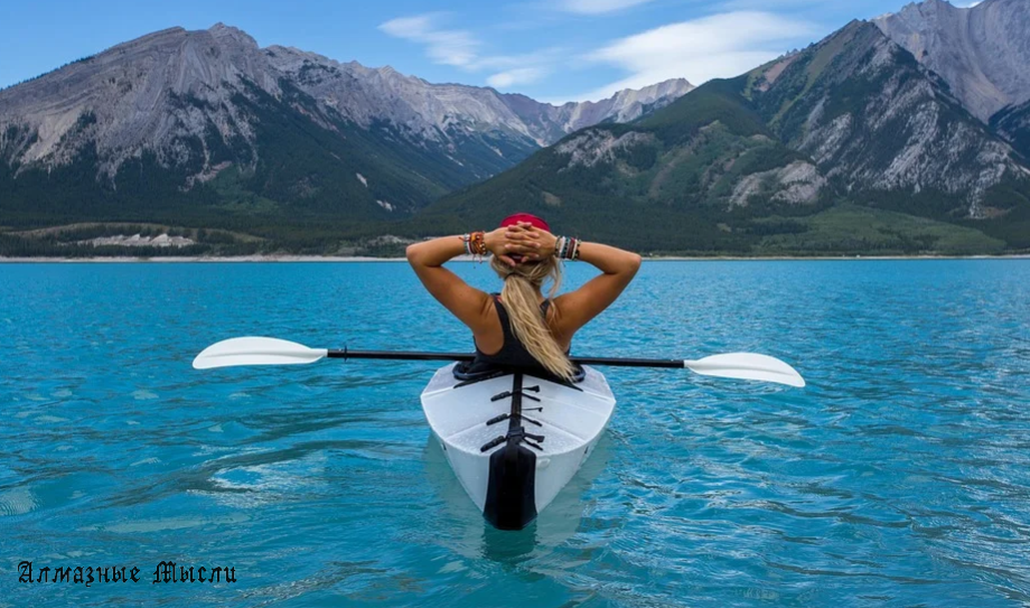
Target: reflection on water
x=555, y=525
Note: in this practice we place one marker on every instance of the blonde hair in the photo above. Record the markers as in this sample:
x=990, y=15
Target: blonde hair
x=519, y=295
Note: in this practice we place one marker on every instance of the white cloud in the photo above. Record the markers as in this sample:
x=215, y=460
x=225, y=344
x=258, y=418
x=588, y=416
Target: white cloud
x=503, y=80
x=596, y=7
x=448, y=47
x=412, y=28
x=460, y=48
x=543, y=57
x=770, y=5
x=527, y=68
x=718, y=46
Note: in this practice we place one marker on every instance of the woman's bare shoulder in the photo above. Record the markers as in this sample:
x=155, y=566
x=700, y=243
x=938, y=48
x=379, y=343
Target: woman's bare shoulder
x=555, y=323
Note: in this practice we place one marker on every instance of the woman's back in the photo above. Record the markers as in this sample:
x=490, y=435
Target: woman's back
x=521, y=320
x=504, y=347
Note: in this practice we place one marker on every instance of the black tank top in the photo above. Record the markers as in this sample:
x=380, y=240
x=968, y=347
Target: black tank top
x=513, y=354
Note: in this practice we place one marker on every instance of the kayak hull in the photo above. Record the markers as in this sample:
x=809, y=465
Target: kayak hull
x=515, y=440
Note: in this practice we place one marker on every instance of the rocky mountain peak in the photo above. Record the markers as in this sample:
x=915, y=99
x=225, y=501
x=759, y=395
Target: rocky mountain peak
x=624, y=106
x=891, y=140
x=648, y=94
x=222, y=31
x=981, y=52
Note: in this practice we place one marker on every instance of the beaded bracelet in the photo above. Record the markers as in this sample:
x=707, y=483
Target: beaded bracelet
x=566, y=248
x=475, y=243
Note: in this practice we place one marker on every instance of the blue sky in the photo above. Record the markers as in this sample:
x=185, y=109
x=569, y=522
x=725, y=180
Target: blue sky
x=552, y=50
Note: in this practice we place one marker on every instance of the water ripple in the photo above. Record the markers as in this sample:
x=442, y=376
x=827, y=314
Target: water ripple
x=900, y=476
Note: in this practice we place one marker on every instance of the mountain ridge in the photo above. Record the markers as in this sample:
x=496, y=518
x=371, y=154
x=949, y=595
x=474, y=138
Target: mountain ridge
x=908, y=133
x=318, y=76
x=852, y=145
x=186, y=104
x=739, y=163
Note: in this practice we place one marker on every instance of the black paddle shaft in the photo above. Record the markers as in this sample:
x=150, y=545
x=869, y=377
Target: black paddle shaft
x=409, y=356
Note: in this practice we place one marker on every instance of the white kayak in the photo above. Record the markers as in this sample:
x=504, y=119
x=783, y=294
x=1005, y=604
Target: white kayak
x=515, y=440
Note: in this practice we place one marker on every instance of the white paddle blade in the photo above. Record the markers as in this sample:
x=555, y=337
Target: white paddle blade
x=256, y=351
x=747, y=366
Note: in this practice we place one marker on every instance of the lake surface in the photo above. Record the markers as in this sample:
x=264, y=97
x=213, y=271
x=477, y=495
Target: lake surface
x=900, y=476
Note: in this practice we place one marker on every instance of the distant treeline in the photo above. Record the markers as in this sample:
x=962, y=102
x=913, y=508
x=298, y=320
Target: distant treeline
x=49, y=246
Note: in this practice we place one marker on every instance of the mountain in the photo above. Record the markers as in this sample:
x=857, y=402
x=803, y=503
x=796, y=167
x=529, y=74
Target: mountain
x=981, y=52
x=452, y=112
x=853, y=145
x=551, y=123
x=670, y=178
x=197, y=125
x=883, y=127
x=1013, y=123
x=743, y=164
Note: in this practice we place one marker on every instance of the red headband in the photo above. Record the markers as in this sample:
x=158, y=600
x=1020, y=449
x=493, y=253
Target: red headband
x=533, y=220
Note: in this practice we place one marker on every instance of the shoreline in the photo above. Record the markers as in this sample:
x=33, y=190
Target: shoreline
x=288, y=259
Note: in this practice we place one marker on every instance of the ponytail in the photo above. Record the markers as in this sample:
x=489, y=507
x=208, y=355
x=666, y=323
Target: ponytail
x=519, y=296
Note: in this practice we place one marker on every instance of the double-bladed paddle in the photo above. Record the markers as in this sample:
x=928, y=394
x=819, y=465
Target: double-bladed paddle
x=272, y=351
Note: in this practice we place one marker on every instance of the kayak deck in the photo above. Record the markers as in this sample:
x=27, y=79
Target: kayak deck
x=515, y=440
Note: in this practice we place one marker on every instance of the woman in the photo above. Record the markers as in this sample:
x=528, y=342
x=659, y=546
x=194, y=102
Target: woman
x=520, y=327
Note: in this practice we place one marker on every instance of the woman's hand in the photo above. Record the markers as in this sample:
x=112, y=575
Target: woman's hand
x=532, y=244
x=496, y=243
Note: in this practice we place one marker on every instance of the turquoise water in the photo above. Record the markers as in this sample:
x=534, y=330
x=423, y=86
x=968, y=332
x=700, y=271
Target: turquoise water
x=900, y=476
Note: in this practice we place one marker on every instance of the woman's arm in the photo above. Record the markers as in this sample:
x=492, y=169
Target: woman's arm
x=467, y=303
x=618, y=267
x=575, y=309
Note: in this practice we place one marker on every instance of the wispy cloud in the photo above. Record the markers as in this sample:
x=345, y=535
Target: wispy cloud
x=717, y=46
x=444, y=46
x=699, y=50
x=769, y=5
x=460, y=48
x=503, y=80
x=597, y=7
x=542, y=57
